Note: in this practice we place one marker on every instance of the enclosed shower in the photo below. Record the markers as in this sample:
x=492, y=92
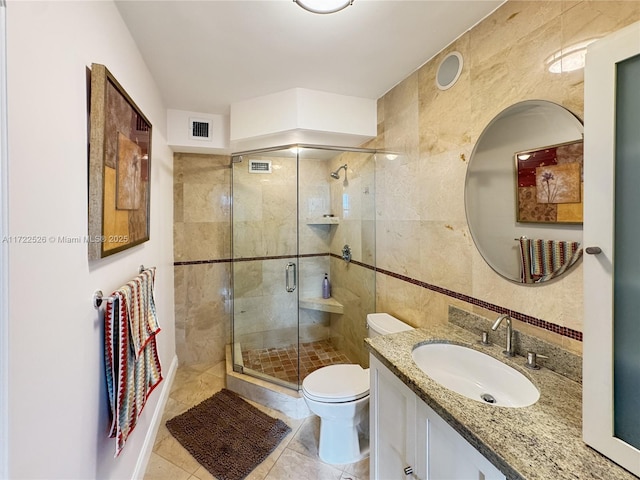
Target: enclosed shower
x=295, y=211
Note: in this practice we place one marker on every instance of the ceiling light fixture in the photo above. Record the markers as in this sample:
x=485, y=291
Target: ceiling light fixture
x=569, y=58
x=323, y=6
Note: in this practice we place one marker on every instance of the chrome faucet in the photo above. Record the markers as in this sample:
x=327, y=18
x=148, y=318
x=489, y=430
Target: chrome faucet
x=509, y=350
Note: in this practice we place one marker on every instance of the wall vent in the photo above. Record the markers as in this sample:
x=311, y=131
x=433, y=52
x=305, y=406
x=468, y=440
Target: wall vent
x=259, y=166
x=200, y=129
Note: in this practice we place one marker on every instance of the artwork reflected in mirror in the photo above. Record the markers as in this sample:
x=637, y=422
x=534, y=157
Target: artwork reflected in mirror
x=549, y=184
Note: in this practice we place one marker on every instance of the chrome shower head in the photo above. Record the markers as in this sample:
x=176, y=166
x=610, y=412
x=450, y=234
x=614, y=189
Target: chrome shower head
x=336, y=174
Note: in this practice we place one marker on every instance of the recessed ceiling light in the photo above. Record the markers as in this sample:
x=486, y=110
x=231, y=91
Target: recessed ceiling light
x=323, y=6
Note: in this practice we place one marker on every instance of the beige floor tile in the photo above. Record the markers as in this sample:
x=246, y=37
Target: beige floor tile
x=295, y=457
x=194, y=389
x=219, y=369
x=306, y=439
x=357, y=471
x=202, y=474
x=170, y=449
x=161, y=469
x=295, y=466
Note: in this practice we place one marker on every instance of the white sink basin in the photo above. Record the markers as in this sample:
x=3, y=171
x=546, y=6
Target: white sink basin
x=475, y=375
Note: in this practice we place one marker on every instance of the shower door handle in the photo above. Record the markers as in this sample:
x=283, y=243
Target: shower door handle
x=288, y=286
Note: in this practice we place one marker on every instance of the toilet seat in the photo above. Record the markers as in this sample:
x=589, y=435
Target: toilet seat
x=337, y=384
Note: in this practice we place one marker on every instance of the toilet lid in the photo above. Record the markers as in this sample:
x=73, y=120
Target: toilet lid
x=383, y=323
x=337, y=383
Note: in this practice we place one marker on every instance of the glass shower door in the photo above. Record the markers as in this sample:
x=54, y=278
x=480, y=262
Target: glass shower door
x=265, y=265
x=294, y=211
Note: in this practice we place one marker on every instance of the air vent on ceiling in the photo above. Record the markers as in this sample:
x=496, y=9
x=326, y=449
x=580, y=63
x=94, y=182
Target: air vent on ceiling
x=259, y=166
x=200, y=129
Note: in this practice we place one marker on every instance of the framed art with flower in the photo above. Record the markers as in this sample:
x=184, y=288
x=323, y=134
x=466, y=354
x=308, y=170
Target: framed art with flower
x=549, y=184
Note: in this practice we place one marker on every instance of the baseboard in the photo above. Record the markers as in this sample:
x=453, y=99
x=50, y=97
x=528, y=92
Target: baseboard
x=147, y=446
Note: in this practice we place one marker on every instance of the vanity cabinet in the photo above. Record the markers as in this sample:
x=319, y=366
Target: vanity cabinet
x=411, y=441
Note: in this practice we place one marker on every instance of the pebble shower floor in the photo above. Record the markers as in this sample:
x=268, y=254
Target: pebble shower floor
x=282, y=362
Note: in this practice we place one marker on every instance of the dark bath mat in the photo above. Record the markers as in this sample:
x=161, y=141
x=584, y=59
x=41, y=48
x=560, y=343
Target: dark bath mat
x=227, y=435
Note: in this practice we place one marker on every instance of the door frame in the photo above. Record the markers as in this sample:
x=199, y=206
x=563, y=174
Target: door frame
x=288, y=259
x=599, y=142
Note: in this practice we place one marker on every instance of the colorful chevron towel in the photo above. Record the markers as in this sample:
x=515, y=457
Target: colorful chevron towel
x=525, y=260
x=131, y=357
x=542, y=260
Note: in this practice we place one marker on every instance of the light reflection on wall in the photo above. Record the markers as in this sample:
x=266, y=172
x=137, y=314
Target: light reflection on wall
x=570, y=58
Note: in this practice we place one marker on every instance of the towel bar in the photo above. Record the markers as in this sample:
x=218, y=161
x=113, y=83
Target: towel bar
x=98, y=296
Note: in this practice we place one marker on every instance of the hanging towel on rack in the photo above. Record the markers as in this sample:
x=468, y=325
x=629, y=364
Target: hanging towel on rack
x=143, y=321
x=525, y=260
x=550, y=258
x=132, y=363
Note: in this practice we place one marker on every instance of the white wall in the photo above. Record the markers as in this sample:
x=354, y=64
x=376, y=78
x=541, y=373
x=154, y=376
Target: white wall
x=300, y=115
x=179, y=130
x=57, y=401
x=4, y=255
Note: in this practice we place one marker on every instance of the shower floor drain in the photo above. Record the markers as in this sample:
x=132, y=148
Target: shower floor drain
x=487, y=397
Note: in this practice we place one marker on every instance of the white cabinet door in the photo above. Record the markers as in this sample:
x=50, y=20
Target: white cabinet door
x=442, y=454
x=406, y=433
x=611, y=357
x=392, y=436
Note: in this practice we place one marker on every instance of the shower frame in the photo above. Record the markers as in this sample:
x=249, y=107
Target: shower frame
x=254, y=269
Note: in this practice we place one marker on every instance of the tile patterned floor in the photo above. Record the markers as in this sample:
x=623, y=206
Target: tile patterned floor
x=295, y=458
x=282, y=362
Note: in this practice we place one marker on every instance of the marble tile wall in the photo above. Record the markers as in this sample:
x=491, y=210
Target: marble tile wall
x=353, y=199
x=202, y=243
x=264, y=227
x=265, y=224
x=421, y=230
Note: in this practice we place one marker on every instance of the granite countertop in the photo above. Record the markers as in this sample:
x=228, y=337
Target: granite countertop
x=543, y=441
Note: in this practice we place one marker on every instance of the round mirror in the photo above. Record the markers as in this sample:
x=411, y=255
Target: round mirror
x=523, y=192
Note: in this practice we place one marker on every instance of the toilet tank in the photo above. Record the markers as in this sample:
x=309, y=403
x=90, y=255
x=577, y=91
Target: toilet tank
x=383, y=324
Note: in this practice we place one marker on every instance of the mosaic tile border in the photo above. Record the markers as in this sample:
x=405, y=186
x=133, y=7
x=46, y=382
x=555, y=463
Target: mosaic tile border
x=536, y=322
x=247, y=259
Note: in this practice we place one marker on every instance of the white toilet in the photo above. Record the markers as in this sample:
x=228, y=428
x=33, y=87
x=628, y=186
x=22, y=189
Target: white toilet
x=339, y=395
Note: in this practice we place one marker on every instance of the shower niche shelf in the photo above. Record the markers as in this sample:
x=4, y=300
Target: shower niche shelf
x=324, y=221
x=330, y=305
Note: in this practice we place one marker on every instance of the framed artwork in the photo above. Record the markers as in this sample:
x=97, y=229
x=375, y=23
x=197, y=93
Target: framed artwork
x=119, y=168
x=549, y=184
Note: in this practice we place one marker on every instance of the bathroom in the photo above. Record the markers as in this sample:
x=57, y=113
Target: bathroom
x=421, y=232
x=421, y=228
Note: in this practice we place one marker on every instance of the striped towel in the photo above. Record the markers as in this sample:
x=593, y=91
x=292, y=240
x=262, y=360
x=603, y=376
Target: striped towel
x=550, y=258
x=525, y=260
x=132, y=364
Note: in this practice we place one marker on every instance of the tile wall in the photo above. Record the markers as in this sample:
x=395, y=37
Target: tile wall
x=264, y=241
x=422, y=247
x=422, y=233
x=202, y=245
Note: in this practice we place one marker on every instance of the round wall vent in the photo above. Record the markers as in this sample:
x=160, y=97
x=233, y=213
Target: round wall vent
x=449, y=70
